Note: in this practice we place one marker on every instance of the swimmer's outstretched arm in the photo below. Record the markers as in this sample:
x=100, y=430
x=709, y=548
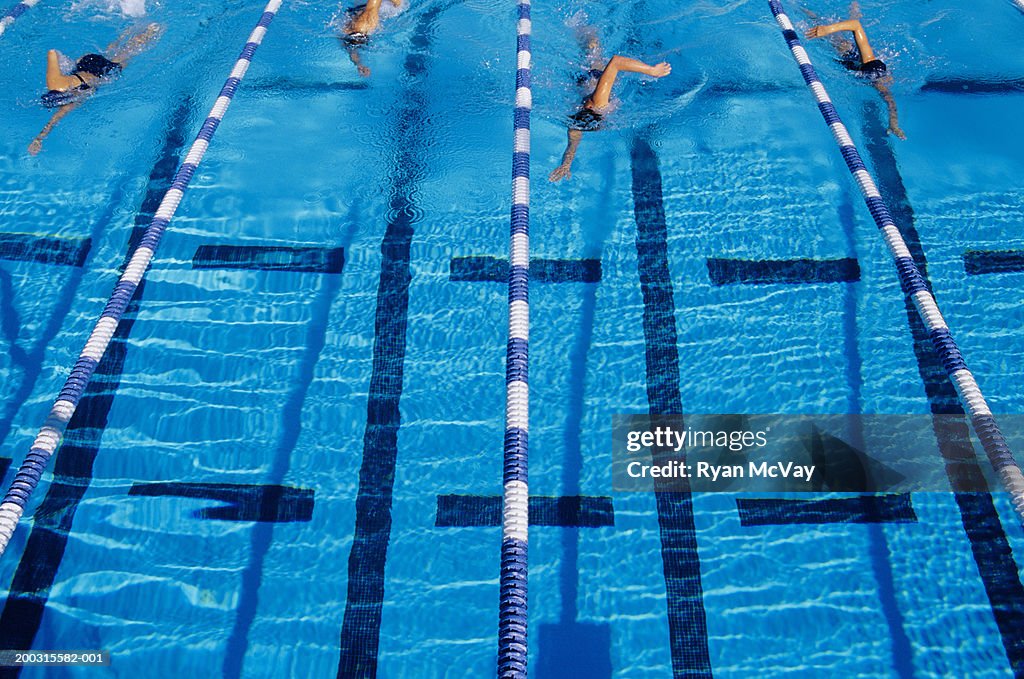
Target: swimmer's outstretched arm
x=37, y=144
x=353, y=55
x=894, y=122
x=563, y=170
x=853, y=25
x=603, y=92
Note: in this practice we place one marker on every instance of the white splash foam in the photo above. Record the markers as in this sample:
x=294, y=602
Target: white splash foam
x=128, y=8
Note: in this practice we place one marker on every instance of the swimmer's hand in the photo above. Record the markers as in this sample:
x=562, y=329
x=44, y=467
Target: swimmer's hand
x=897, y=132
x=396, y=3
x=816, y=32
x=35, y=147
x=364, y=71
x=659, y=70
x=560, y=172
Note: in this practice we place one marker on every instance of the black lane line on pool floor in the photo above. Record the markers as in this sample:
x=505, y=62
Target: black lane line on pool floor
x=360, y=629
x=73, y=469
x=321, y=261
x=989, y=544
x=687, y=619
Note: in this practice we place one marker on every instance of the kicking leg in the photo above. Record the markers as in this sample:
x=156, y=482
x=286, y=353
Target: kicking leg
x=890, y=102
x=353, y=55
x=127, y=47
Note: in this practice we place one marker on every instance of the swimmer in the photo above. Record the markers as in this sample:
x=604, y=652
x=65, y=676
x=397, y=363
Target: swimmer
x=364, y=22
x=859, y=57
x=601, y=76
x=66, y=92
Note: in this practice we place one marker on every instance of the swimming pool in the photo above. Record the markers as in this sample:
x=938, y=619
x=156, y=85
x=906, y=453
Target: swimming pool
x=321, y=337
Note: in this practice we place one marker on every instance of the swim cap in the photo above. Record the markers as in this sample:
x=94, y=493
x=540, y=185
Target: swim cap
x=97, y=65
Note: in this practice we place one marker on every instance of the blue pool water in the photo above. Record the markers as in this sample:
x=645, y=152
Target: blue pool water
x=339, y=389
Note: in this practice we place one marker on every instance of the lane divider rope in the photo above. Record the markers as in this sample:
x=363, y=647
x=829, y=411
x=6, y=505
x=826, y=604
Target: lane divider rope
x=14, y=12
x=911, y=281
x=50, y=435
x=512, y=618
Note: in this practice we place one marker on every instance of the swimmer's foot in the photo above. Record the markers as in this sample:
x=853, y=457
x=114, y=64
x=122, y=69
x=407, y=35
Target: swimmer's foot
x=659, y=70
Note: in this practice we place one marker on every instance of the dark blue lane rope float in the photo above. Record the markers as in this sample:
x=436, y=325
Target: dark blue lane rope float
x=911, y=280
x=50, y=435
x=512, y=619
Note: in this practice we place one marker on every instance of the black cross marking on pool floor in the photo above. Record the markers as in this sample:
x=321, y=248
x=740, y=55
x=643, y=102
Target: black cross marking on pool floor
x=974, y=86
x=27, y=247
x=582, y=511
x=269, y=258
x=488, y=269
x=786, y=271
x=861, y=509
x=243, y=502
x=977, y=262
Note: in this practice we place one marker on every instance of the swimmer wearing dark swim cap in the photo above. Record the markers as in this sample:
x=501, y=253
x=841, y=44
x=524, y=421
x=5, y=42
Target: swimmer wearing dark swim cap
x=65, y=91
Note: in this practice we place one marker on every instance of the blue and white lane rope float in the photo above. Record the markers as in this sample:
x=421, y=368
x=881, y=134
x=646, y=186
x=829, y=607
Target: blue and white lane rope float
x=52, y=432
x=14, y=12
x=911, y=281
x=512, y=617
